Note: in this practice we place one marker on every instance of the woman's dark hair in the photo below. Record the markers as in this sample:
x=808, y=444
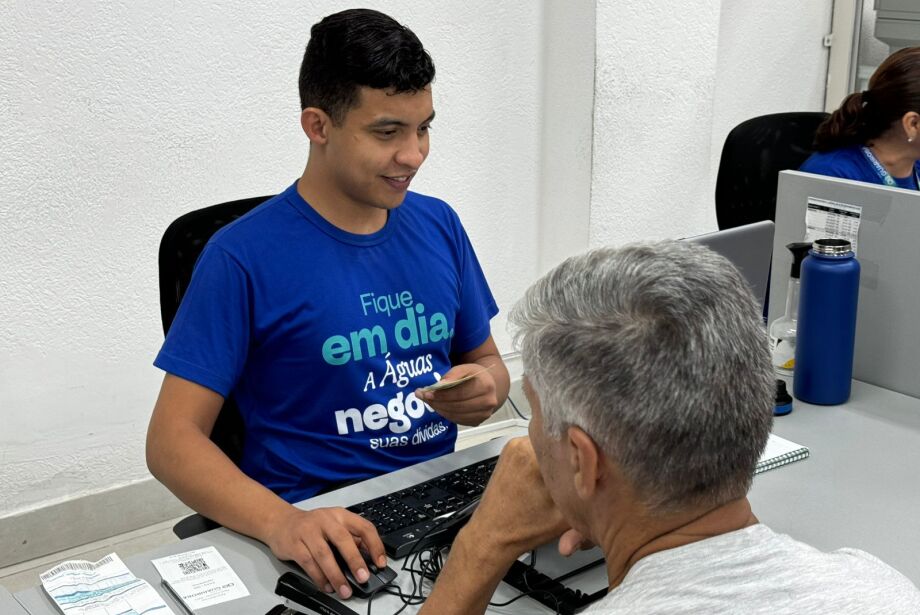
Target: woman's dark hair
x=360, y=47
x=894, y=89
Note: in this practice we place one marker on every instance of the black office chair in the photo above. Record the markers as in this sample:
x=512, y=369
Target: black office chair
x=754, y=153
x=180, y=247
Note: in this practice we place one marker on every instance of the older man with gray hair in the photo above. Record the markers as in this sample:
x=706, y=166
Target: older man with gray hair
x=649, y=377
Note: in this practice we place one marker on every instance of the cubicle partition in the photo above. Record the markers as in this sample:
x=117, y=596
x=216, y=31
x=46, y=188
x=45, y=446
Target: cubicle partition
x=886, y=224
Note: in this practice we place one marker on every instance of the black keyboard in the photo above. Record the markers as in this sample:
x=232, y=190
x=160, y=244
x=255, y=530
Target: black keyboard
x=417, y=517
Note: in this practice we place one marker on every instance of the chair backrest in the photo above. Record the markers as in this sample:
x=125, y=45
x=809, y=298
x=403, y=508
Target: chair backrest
x=754, y=153
x=180, y=248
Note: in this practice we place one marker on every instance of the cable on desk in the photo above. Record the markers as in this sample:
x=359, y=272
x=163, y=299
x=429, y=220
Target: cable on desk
x=409, y=600
x=428, y=568
x=417, y=595
x=428, y=562
x=421, y=564
x=519, y=413
x=532, y=592
x=531, y=564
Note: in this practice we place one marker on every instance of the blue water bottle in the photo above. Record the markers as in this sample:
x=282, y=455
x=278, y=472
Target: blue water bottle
x=827, y=323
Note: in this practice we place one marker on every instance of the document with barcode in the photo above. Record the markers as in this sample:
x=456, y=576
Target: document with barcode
x=79, y=587
x=200, y=578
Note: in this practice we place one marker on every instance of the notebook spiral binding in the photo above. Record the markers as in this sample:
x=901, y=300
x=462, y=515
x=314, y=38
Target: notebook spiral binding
x=775, y=462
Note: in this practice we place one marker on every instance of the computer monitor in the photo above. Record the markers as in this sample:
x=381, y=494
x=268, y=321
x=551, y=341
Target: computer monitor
x=749, y=248
x=886, y=223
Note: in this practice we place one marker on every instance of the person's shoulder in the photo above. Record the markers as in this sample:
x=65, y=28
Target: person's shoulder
x=417, y=200
x=782, y=575
x=878, y=582
x=422, y=208
x=843, y=155
x=258, y=225
x=849, y=576
x=871, y=565
x=846, y=162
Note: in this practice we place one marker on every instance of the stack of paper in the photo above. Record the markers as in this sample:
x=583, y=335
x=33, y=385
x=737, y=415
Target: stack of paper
x=200, y=578
x=79, y=587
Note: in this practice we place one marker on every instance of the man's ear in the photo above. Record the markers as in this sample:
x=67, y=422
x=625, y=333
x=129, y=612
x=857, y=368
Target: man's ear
x=586, y=459
x=315, y=123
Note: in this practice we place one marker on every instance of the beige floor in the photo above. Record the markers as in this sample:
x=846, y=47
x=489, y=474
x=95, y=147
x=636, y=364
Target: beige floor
x=25, y=574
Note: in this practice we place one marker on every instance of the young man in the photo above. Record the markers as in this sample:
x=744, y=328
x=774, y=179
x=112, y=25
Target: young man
x=324, y=309
x=651, y=388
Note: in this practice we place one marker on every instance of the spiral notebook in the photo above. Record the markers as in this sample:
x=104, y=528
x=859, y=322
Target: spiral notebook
x=779, y=452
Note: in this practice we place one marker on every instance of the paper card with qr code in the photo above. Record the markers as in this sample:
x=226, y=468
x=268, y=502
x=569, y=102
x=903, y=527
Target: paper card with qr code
x=200, y=578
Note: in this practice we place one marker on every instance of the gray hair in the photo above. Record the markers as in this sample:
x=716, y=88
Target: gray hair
x=659, y=353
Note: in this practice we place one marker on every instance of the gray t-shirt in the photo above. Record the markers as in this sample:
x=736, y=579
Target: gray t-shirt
x=756, y=570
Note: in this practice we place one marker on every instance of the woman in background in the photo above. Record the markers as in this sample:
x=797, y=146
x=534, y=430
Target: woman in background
x=875, y=135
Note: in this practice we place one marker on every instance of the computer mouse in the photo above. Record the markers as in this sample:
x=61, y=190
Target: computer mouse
x=377, y=579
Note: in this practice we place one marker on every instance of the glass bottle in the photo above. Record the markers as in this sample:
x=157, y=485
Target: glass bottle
x=783, y=329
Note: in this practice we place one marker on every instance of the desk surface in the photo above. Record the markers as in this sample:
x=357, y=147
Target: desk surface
x=858, y=489
x=258, y=568
x=9, y=605
x=860, y=486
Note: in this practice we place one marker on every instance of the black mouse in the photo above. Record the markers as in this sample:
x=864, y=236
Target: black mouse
x=377, y=579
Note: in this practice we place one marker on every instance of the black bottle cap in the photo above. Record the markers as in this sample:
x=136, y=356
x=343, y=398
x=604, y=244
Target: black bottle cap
x=782, y=395
x=783, y=404
x=799, y=252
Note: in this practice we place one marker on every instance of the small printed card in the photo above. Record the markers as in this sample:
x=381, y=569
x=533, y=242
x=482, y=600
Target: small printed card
x=441, y=385
x=200, y=578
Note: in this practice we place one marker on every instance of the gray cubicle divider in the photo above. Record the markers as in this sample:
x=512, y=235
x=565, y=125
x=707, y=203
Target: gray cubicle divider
x=888, y=317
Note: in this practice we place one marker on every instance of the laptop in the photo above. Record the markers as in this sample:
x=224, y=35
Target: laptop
x=749, y=248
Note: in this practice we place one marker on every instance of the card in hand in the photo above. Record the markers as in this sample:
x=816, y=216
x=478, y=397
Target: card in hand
x=442, y=385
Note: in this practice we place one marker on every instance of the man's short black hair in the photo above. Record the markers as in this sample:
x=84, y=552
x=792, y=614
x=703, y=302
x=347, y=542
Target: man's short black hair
x=360, y=47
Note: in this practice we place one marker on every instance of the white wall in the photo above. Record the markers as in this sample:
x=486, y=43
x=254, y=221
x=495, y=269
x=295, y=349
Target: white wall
x=771, y=59
x=559, y=124
x=672, y=79
x=567, y=126
x=652, y=120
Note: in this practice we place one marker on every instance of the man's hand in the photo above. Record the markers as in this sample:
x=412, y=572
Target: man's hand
x=476, y=399
x=573, y=541
x=305, y=537
x=469, y=403
x=516, y=514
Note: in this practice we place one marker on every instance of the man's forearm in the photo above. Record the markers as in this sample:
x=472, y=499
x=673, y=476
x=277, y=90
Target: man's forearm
x=203, y=477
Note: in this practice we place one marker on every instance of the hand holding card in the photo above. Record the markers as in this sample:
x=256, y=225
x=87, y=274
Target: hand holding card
x=442, y=385
x=465, y=395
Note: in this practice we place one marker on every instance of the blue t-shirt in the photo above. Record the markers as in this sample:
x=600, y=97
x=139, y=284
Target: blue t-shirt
x=323, y=335
x=850, y=163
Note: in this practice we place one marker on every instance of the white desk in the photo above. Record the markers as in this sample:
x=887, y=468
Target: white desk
x=9, y=605
x=859, y=488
